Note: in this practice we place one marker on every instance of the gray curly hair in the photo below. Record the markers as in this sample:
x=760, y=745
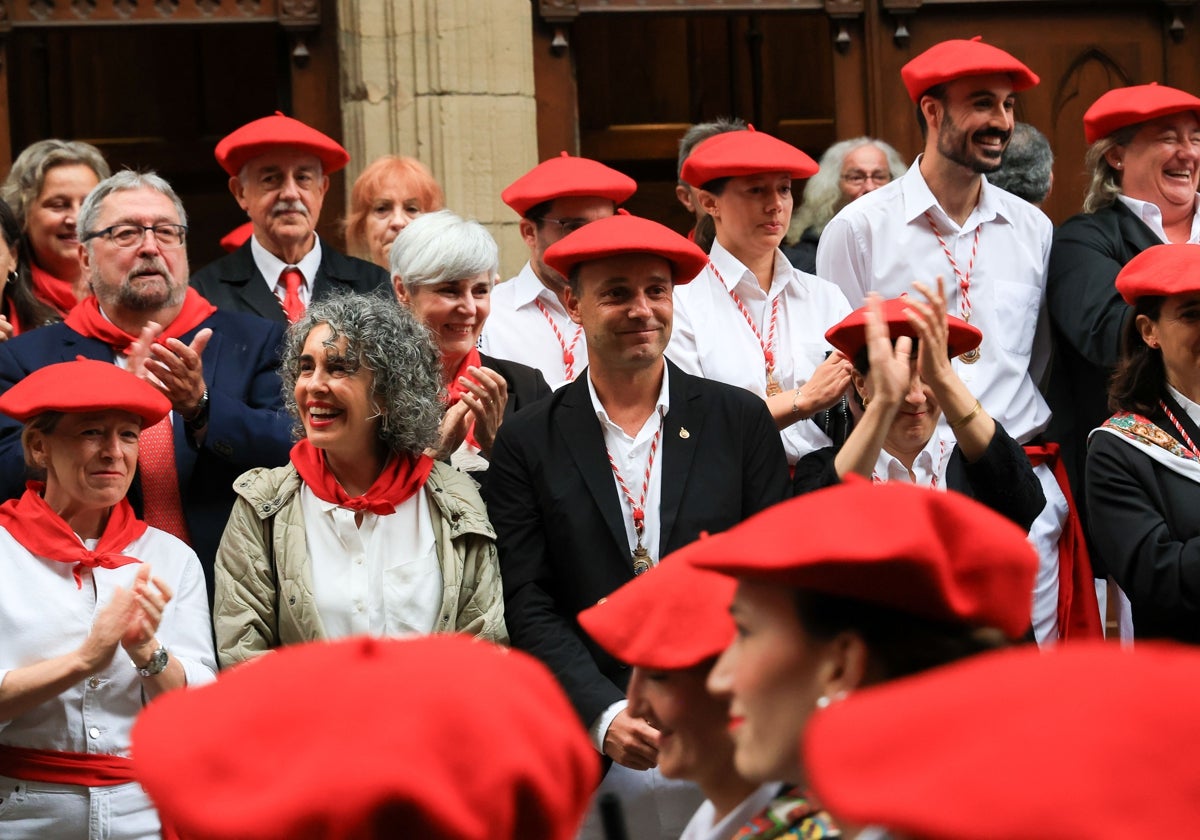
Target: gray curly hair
x=823, y=196
x=387, y=340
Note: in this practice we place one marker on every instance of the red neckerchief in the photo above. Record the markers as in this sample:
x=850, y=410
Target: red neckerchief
x=400, y=479
x=1078, y=609
x=455, y=390
x=87, y=320
x=51, y=291
x=43, y=532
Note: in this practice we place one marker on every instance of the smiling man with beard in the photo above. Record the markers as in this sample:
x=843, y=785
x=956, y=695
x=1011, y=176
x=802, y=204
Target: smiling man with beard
x=943, y=218
x=218, y=369
x=279, y=172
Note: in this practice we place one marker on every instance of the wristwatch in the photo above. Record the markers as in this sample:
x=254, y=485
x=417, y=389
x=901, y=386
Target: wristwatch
x=201, y=419
x=156, y=665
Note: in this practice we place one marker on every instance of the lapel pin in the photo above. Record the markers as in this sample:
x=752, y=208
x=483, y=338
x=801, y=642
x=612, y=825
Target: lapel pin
x=684, y=433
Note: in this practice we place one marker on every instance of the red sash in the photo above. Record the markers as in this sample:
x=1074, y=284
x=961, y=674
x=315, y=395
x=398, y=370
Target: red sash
x=50, y=290
x=87, y=320
x=42, y=532
x=403, y=476
x=1078, y=609
x=70, y=768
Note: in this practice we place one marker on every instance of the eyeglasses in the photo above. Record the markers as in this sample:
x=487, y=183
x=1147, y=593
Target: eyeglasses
x=130, y=235
x=857, y=179
x=566, y=225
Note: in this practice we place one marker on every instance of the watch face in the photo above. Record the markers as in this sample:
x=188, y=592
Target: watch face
x=158, y=661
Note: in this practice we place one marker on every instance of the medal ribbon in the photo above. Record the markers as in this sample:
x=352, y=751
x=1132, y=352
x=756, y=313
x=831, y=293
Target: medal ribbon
x=638, y=507
x=768, y=346
x=964, y=280
x=568, y=351
x=1175, y=422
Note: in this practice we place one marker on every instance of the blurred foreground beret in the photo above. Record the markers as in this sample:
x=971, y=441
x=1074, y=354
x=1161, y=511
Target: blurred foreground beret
x=945, y=755
x=434, y=737
x=1160, y=270
x=933, y=554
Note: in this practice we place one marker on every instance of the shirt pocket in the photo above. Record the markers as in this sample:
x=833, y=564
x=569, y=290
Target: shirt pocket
x=1017, y=306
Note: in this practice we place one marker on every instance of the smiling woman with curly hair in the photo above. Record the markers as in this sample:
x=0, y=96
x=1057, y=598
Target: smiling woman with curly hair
x=362, y=532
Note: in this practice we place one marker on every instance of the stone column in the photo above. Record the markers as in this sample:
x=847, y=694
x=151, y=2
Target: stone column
x=449, y=82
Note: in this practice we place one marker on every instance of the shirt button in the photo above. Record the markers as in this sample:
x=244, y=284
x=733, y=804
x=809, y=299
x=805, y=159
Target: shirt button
x=94, y=682
x=359, y=561
x=94, y=732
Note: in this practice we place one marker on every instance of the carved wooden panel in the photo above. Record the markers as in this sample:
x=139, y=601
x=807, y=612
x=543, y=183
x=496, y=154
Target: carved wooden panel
x=92, y=12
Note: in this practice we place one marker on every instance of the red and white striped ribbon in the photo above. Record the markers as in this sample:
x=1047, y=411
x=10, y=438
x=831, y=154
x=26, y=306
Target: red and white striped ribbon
x=568, y=349
x=639, y=507
x=964, y=280
x=768, y=346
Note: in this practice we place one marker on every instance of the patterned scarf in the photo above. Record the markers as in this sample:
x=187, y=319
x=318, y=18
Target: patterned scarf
x=790, y=816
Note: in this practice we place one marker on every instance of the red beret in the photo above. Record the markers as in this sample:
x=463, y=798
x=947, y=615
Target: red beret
x=1160, y=270
x=566, y=176
x=237, y=237
x=934, y=554
x=674, y=616
x=1135, y=104
x=748, y=152
x=1085, y=740
x=626, y=234
x=957, y=58
x=850, y=334
x=434, y=737
x=81, y=387
x=263, y=135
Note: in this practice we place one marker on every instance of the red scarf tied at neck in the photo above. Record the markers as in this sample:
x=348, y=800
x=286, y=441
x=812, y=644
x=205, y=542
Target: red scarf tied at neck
x=87, y=320
x=403, y=476
x=455, y=390
x=51, y=291
x=42, y=532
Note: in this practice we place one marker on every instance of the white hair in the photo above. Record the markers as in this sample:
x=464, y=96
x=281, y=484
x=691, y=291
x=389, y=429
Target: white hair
x=823, y=196
x=442, y=246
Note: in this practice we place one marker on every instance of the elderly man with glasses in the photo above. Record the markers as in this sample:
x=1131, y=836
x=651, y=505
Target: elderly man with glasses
x=217, y=368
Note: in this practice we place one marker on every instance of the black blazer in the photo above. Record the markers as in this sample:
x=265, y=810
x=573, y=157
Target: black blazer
x=559, y=524
x=247, y=427
x=1087, y=316
x=234, y=284
x=526, y=386
x=1145, y=522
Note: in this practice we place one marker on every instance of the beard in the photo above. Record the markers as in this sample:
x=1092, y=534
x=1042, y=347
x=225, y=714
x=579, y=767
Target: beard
x=954, y=145
x=135, y=296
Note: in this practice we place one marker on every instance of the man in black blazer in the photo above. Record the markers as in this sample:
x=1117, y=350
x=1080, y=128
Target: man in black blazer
x=219, y=369
x=615, y=471
x=279, y=173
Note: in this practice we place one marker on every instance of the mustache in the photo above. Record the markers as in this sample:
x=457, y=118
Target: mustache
x=288, y=207
x=150, y=265
x=993, y=132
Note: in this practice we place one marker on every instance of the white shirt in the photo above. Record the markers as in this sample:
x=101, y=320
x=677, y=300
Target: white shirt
x=701, y=826
x=381, y=578
x=711, y=337
x=517, y=330
x=882, y=242
x=929, y=467
x=1151, y=217
x=43, y=614
x=1190, y=408
x=631, y=455
x=271, y=268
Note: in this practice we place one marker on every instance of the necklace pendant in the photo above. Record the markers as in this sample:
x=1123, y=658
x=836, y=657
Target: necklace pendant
x=641, y=560
x=970, y=357
x=773, y=387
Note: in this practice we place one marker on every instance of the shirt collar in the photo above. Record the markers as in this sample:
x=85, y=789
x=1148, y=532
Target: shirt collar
x=270, y=266
x=1151, y=215
x=888, y=465
x=918, y=198
x=529, y=288
x=662, y=406
x=1190, y=408
x=731, y=271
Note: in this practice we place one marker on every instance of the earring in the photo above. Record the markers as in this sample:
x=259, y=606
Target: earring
x=1118, y=165
x=12, y=276
x=866, y=401
x=823, y=701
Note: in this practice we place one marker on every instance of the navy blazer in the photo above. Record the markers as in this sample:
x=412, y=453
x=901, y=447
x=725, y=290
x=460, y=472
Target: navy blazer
x=247, y=427
x=234, y=284
x=559, y=522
